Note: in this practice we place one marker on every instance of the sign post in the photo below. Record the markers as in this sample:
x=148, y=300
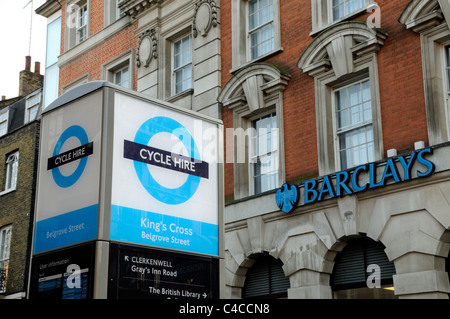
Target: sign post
x=141, y=181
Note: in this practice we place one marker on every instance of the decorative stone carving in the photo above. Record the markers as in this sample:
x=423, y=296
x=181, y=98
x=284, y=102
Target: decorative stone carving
x=135, y=7
x=147, y=48
x=205, y=16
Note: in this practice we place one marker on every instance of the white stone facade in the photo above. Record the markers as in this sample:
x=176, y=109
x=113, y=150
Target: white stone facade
x=411, y=219
x=165, y=22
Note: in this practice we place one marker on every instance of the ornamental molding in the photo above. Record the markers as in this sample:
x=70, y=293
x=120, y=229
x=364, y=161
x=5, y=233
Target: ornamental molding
x=135, y=7
x=205, y=16
x=337, y=48
x=422, y=15
x=147, y=48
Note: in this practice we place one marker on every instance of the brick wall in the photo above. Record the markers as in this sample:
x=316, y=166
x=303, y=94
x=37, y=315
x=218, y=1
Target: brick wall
x=30, y=81
x=92, y=60
x=400, y=80
x=17, y=207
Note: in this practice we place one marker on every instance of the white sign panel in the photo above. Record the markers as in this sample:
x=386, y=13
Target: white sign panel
x=165, y=178
x=69, y=168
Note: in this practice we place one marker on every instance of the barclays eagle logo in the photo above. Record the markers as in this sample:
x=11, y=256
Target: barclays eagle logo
x=287, y=197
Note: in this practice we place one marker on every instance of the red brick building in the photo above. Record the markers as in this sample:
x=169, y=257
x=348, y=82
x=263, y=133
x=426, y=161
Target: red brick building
x=138, y=45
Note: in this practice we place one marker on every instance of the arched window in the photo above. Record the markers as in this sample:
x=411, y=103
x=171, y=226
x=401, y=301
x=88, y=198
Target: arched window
x=266, y=279
x=362, y=271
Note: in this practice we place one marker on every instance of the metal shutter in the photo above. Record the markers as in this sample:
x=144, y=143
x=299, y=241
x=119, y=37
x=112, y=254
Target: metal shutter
x=350, y=269
x=266, y=279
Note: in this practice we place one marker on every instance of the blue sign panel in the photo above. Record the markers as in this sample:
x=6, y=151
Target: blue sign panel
x=65, y=223
x=66, y=229
x=165, y=231
x=348, y=182
x=164, y=190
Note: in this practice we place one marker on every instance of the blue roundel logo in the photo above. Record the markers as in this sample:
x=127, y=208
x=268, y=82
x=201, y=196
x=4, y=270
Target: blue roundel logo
x=287, y=197
x=79, y=153
x=142, y=154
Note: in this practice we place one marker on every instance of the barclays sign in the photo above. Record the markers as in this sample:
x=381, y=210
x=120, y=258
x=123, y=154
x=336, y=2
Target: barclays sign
x=361, y=178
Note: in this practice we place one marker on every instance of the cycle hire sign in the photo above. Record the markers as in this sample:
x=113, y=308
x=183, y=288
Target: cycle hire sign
x=69, y=168
x=165, y=178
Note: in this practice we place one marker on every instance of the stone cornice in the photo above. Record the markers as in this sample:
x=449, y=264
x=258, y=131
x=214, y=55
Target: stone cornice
x=135, y=7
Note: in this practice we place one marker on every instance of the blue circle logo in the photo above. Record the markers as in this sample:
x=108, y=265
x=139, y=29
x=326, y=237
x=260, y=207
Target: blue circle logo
x=67, y=181
x=171, y=196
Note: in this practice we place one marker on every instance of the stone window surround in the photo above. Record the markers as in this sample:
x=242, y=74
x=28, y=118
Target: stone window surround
x=82, y=79
x=15, y=156
x=111, y=12
x=430, y=19
x=5, y=113
x=174, y=70
x=113, y=65
x=92, y=41
x=255, y=89
x=168, y=77
x=342, y=53
x=71, y=31
x=239, y=16
x=322, y=15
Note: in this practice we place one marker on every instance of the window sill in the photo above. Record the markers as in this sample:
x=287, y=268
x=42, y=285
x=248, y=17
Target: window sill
x=180, y=95
x=93, y=40
x=262, y=57
x=7, y=191
x=345, y=18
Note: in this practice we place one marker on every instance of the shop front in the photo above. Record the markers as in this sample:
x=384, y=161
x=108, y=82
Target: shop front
x=380, y=230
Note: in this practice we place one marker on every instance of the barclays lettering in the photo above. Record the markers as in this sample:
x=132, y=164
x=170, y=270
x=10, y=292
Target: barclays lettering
x=349, y=182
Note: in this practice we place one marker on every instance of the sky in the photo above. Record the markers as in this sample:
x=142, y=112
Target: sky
x=15, y=16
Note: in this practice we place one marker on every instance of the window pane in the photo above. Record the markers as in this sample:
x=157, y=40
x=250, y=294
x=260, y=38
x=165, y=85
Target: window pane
x=352, y=6
x=448, y=80
x=12, y=165
x=3, y=127
x=338, y=12
x=32, y=112
x=252, y=6
x=187, y=71
x=186, y=47
x=53, y=42
x=261, y=28
x=343, y=8
x=265, y=144
x=356, y=115
x=51, y=84
x=447, y=58
x=183, y=64
x=117, y=78
x=356, y=147
x=350, y=108
x=125, y=73
x=81, y=34
x=179, y=76
x=341, y=99
x=343, y=119
x=354, y=93
x=264, y=15
x=366, y=91
x=254, y=38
